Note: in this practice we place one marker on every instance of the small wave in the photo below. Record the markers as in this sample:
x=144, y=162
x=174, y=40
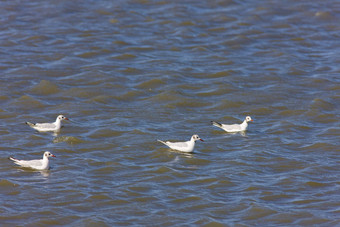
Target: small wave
x=68, y=139
x=7, y=184
x=45, y=87
x=28, y=102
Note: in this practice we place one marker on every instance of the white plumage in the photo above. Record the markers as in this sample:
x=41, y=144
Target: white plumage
x=45, y=127
x=234, y=127
x=39, y=164
x=187, y=146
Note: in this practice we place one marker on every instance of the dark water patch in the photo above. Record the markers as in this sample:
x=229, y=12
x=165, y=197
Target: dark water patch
x=322, y=118
x=272, y=197
x=101, y=99
x=290, y=113
x=82, y=93
x=124, y=57
x=4, y=114
x=92, y=54
x=322, y=105
x=227, y=104
x=8, y=187
x=186, y=200
x=256, y=211
x=190, y=103
x=319, y=146
x=316, y=184
x=263, y=111
x=27, y=102
x=45, y=87
x=165, y=97
x=151, y=84
x=129, y=96
x=315, y=221
x=222, y=74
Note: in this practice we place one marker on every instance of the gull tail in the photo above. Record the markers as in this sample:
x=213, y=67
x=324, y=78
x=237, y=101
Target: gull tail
x=30, y=124
x=13, y=159
x=162, y=142
x=216, y=124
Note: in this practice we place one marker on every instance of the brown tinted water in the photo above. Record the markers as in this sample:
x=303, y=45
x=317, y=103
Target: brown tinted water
x=130, y=72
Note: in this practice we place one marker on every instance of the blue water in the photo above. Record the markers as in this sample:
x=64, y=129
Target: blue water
x=127, y=73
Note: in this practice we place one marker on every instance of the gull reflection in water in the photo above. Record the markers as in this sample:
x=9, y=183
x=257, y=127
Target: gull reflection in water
x=186, y=154
x=56, y=133
x=242, y=133
x=45, y=173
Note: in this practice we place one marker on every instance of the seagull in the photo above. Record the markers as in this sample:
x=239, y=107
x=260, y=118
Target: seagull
x=187, y=146
x=39, y=164
x=235, y=127
x=45, y=127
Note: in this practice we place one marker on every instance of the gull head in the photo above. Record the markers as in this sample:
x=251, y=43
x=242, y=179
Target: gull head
x=62, y=117
x=48, y=154
x=248, y=119
x=196, y=137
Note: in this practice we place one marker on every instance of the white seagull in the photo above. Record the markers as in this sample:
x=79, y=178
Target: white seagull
x=235, y=127
x=39, y=164
x=187, y=146
x=45, y=127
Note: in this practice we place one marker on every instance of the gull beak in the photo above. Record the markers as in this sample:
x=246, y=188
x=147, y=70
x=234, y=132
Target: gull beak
x=54, y=155
x=202, y=140
x=66, y=118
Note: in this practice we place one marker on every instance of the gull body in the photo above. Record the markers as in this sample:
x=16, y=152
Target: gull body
x=234, y=127
x=39, y=164
x=187, y=146
x=45, y=127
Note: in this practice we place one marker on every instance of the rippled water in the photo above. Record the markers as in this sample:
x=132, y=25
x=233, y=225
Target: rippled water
x=130, y=72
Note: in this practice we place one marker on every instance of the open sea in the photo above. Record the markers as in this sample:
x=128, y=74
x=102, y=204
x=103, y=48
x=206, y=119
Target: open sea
x=129, y=72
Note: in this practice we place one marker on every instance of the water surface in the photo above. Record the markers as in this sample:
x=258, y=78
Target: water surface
x=130, y=72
